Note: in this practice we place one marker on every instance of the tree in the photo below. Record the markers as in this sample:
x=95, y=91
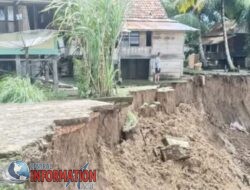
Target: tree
x=190, y=12
x=198, y=8
x=241, y=10
x=243, y=19
x=229, y=59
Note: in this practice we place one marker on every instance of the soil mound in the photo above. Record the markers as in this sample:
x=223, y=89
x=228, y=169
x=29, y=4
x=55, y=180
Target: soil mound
x=134, y=164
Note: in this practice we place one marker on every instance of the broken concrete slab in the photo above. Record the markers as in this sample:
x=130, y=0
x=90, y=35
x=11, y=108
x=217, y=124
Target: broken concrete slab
x=149, y=110
x=23, y=124
x=175, y=152
x=182, y=142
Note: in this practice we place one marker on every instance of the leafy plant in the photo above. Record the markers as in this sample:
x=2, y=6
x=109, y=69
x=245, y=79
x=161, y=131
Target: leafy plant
x=131, y=121
x=19, y=90
x=94, y=26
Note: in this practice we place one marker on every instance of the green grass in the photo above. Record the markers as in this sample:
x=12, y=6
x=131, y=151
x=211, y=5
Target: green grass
x=51, y=94
x=188, y=71
x=12, y=187
x=20, y=90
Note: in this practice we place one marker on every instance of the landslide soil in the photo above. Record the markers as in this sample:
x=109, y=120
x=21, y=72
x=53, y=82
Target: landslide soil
x=219, y=159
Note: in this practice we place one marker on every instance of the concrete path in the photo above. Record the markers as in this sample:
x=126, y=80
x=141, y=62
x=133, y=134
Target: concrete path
x=22, y=124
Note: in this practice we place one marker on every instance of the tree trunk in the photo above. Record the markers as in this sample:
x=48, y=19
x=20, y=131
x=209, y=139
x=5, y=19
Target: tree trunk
x=55, y=74
x=201, y=50
x=229, y=59
x=27, y=64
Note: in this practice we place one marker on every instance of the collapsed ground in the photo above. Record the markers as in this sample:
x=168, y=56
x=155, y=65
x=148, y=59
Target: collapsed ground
x=220, y=154
x=135, y=166
x=211, y=113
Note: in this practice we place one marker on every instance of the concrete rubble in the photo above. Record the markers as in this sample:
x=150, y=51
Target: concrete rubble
x=182, y=142
x=176, y=149
x=175, y=152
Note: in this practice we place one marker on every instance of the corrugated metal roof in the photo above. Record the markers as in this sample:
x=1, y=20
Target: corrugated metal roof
x=213, y=40
x=231, y=26
x=40, y=42
x=156, y=25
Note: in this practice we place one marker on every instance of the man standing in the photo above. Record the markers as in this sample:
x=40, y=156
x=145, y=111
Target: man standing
x=157, y=68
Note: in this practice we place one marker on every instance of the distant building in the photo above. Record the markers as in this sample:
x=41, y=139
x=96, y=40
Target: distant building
x=26, y=43
x=22, y=15
x=147, y=31
x=214, y=47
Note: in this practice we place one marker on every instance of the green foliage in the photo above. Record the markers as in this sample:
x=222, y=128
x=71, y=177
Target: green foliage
x=188, y=71
x=131, y=121
x=55, y=95
x=50, y=93
x=203, y=14
x=19, y=90
x=190, y=12
x=94, y=25
x=189, y=19
x=170, y=8
x=11, y=187
x=184, y=6
x=83, y=80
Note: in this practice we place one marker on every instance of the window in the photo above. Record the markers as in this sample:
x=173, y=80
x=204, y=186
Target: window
x=134, y=39
x=2, y=14
x=125, y=39
x=7, y=19
x=149, y=39
x=131, y=39
x=10, y=13
x=7, y=13
x=212, y=48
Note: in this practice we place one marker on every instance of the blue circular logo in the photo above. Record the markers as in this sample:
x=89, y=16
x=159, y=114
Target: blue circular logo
x=18, y=172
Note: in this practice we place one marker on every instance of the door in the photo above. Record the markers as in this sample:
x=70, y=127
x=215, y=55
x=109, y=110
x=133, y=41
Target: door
x=135, y=68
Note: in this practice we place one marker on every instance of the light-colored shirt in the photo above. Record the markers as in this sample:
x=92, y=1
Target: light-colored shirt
x=157, y=62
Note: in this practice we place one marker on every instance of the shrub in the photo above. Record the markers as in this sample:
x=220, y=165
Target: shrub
x=19, y=90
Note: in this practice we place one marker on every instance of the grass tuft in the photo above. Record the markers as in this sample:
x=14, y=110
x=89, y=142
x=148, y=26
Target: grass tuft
x=20, y=90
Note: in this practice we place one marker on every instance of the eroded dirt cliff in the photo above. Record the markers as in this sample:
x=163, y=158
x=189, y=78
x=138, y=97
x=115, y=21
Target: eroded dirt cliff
x=199, y=110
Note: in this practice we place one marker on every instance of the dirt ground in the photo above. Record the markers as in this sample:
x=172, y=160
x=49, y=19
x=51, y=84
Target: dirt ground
x=220, y=156
x=211, y=166
x=199, y=112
